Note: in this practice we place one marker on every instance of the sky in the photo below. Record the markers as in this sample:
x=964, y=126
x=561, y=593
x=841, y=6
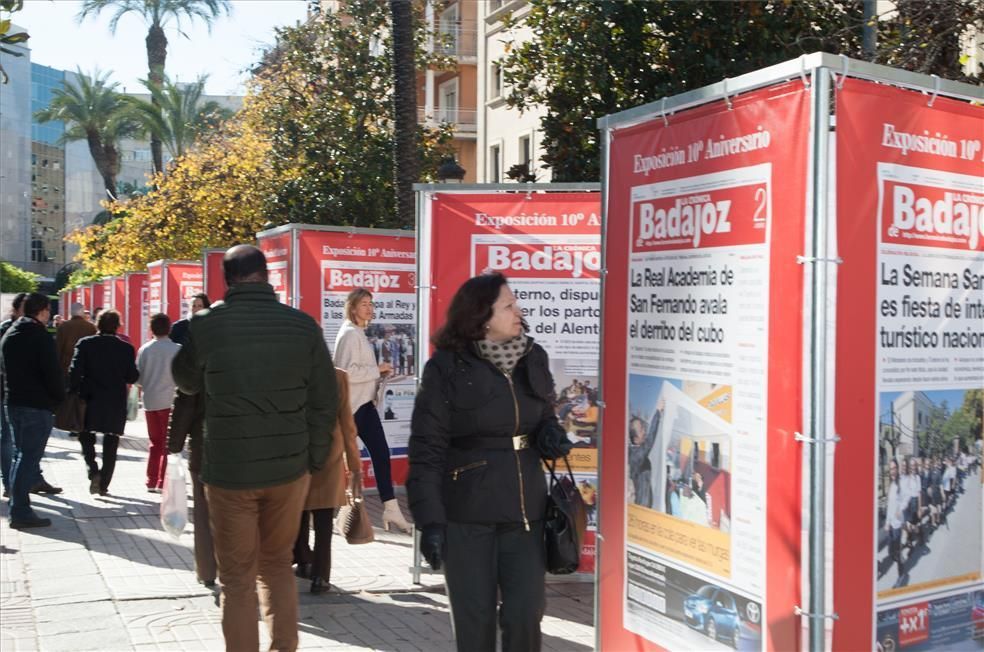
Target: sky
x=59, y=41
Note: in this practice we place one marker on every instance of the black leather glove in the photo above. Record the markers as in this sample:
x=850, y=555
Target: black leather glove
x=551, y=440
x=433, y=545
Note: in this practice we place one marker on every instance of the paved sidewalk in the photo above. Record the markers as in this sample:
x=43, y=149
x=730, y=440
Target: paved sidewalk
x=106, y=577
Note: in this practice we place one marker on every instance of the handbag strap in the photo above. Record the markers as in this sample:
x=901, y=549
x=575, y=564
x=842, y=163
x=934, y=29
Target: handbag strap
x=552, y=465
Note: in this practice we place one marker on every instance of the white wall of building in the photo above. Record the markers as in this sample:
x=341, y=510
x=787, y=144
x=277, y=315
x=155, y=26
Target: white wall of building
x=501, y=129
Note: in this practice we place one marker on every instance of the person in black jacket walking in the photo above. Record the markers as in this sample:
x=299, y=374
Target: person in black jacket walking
x=482, y=421
x=33, y=389
x=101, y=367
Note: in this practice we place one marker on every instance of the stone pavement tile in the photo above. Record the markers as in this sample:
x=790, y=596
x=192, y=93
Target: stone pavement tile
x=13, y=644
x=97, y=640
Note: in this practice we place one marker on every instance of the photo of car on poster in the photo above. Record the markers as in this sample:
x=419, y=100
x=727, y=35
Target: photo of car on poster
x=689, y=612
x=929, y=490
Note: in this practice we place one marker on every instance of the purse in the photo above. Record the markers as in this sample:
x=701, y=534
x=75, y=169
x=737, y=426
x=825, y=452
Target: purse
x=565, y=523
x=71, y=413
x=353, y=520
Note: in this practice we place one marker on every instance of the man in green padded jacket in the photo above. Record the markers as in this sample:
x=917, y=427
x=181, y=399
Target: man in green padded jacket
x=271, y=402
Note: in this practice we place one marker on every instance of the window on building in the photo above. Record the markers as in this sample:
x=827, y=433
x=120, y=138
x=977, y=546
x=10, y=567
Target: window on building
x=525, y=150
x=447, y=101
x=495, y=80
x=495, y=164
x=37, y=251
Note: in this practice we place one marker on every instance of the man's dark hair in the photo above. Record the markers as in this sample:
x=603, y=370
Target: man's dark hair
x=34, y=303
x=244, y=264
x=160, y=324
x=204, y=298
x=18, y=301
x=109, y=322
x=470, y=310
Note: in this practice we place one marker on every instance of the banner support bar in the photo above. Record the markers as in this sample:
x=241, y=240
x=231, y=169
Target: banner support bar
x=817, y=451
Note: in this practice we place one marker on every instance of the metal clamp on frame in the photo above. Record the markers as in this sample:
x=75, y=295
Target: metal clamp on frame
x=807, y=614
x=803, y=260
x=813, y=440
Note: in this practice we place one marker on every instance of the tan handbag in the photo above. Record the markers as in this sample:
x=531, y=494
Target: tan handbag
x=353, y=520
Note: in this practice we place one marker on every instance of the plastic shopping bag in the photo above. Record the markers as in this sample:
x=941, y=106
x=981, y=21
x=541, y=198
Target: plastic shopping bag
x=174, y=499
x=132, y=403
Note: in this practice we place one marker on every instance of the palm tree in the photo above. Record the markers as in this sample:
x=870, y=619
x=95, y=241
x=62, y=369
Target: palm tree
x=176, y=114
x=157, y=13
x=405, y=162
x=93, y=111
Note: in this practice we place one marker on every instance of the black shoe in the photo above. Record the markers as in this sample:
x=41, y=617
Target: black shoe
x=6, y=493
x=209, y=584
x=44, y=487
x=95, y=478
x=319, y=586
x=31, y=521
x=302, y=570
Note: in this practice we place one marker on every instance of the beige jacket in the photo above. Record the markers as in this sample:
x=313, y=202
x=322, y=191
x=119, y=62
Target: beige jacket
x=328, y=485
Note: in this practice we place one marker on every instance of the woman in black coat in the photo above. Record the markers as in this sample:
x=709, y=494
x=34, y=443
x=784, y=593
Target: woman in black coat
x=102, y=366
x=482, y=421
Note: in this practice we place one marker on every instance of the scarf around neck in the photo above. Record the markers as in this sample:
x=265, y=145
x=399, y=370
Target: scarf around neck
x=504, y=355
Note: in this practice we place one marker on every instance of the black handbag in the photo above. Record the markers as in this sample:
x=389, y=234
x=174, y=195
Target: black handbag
x=565, y=522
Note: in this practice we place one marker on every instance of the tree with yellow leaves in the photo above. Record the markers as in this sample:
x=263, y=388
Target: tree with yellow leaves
x=214, y=196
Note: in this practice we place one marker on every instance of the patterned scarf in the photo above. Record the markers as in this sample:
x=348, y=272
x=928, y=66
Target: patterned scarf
x=504, y=355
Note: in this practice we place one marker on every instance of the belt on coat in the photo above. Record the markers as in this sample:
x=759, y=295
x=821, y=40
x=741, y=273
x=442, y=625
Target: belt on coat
x=517, y=443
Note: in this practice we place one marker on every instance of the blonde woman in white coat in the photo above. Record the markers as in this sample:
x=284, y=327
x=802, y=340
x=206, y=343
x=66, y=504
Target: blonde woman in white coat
x=355, y=355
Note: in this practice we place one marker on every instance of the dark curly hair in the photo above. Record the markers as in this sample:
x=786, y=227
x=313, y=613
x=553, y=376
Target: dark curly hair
x=470, y=310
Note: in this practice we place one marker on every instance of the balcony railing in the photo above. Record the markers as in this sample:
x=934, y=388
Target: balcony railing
x=457, y=39
x=464, y=120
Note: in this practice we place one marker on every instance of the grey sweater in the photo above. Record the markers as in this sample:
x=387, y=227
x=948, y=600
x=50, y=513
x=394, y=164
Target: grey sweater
x=154, y=364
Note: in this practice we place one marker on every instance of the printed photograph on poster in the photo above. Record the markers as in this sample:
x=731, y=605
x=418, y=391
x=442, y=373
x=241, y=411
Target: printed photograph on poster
x=277, y=277
x=954, y=623
x=393, y=344
x=686, y=612
x=395, y=400
x=577, y=401
x=587, y=485
x=679, y=449
x=929, y=489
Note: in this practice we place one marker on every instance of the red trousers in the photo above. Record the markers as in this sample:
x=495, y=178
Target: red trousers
x=157, y=460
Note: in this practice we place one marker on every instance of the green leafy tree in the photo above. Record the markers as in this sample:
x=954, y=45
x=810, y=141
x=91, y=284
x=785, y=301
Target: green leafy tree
x=590, y=59
x=925, y=36
x=325, y=93
x=157, y=14
x=6, y=38
x=177, y=115
x=15, y=279
x=93, y=111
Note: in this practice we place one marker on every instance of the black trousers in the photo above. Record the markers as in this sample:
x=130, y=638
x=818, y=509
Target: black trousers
x=483, y=560
x=371, y=433
x=109, y=446
x=320, y=558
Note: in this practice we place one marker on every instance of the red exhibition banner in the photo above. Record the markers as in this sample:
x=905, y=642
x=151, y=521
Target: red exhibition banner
x=172, y=284
x=214, y=281
x=548, y=244
x=113, y=295
x=278, y=247
x=96, y=297
x=313, y=268
x=85, y=297
x=908, y=514
x=702, y=376
x=136, y=304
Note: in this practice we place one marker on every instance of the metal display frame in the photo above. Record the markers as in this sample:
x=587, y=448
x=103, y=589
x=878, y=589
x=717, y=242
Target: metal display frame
x=296, y=228
x=425, y=193
x=819, y=71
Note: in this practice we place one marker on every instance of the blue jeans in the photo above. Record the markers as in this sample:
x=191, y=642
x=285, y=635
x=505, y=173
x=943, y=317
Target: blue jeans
x=7, y=453
x=30, y=428
x=371, y=433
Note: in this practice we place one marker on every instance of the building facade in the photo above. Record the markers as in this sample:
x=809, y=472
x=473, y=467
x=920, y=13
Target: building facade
x=15, y=156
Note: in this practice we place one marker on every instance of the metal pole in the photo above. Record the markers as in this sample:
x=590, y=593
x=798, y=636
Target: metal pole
x=818, y=359
x=869, y=31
